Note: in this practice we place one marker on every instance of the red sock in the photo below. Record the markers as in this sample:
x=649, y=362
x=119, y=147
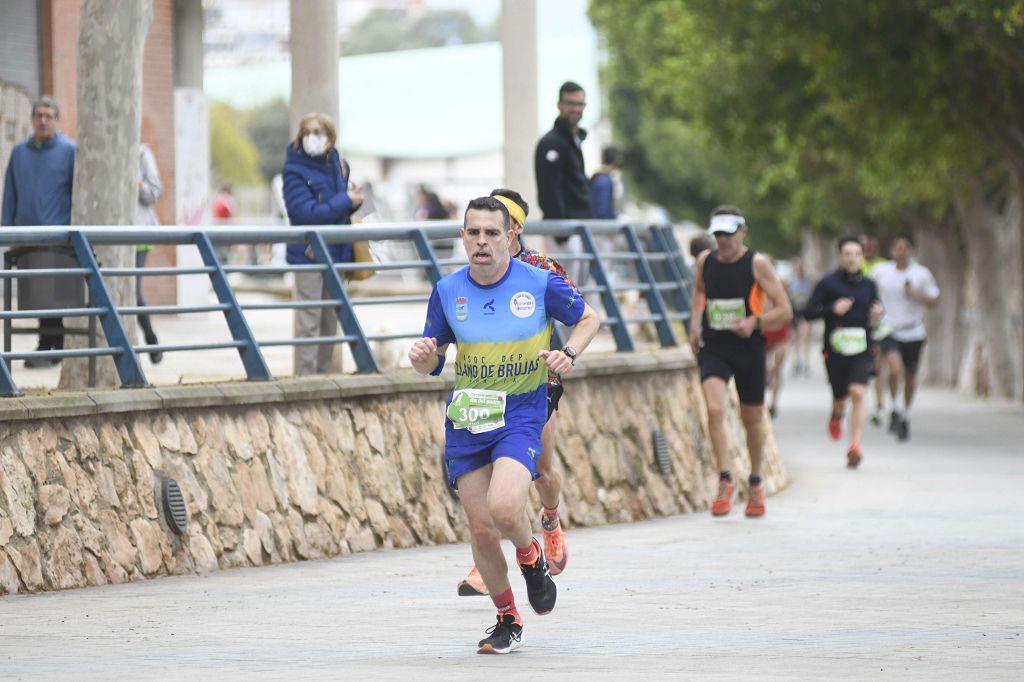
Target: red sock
x=530, y=554
x=506, y=603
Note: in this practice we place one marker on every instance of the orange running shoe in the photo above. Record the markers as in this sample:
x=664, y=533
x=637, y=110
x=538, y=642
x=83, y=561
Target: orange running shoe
x=853, y=457
x=555, y=550
x=723, y=503
x=473, y=585
x=755, y=501
x=835, y=427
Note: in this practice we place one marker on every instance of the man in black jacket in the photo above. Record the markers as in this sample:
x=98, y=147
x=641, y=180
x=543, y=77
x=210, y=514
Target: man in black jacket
x=562, y=187
x=563, y=190
x=848, y=302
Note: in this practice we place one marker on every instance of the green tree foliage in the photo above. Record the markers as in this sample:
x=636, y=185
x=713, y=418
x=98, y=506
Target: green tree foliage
x=268, y=128
x=815, y=114
x=387, y=30
x=233, y=157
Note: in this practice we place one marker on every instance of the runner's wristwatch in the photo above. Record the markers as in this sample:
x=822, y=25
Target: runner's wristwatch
x=570, y=352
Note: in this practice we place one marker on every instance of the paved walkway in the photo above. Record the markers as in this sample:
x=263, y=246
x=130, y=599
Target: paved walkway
x=910, y=566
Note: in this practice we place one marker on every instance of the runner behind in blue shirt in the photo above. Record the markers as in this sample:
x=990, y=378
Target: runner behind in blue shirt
x=848, y=302
x=498, y=311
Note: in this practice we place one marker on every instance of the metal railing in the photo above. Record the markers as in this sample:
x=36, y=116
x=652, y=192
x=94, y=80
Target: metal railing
x=662, y=277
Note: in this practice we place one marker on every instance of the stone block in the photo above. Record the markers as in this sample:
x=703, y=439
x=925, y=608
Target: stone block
x=28, y=562
x=309, y=388
x=179, y=397
x=59, y=405
x=12, y=409
x=64, y=561
x=251, y=393
x=126, y=400
x=9, y=582
x=18, y=492
x=54, y=500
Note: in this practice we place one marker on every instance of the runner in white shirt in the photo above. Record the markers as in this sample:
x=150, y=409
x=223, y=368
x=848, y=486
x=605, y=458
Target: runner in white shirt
x=906, y=288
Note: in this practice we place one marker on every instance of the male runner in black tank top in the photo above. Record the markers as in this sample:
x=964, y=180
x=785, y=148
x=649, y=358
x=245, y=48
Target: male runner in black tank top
x=726, y=337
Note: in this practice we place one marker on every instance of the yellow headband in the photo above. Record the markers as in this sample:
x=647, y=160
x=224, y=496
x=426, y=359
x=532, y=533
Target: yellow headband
x=515, y=211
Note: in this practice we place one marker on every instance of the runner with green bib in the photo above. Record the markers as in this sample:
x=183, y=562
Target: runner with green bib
x=499, y=312
x=848, y=302
x=732, y=283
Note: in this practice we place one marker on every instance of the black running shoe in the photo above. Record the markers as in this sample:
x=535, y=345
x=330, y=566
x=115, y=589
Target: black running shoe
x=903, y=429
x=505, y=636
x=894, y=422
x=540, y=586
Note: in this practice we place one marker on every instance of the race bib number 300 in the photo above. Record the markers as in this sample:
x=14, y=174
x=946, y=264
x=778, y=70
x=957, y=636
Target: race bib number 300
x=477, y=410
x=725, y=313
x=849, y=340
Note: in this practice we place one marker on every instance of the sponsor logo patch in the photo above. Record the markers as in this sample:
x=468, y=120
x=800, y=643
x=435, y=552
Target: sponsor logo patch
x=522, y=304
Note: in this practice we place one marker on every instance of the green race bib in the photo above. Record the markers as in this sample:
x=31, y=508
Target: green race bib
x=477, y=410
x=849, y=340
x=725, y=313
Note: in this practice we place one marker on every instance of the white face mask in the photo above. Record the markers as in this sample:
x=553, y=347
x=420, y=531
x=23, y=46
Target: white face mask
x=315, y=145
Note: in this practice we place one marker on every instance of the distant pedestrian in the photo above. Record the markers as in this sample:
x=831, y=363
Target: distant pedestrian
x=429, y=206
x=316, y=192
x=878, y=372
x=37, y=191
x=150, y=191
x=606, y=187
x=701, y=243
x=224, y=204
x=798, y=288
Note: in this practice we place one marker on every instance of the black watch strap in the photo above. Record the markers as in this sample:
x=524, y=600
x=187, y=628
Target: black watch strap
x=570, y=352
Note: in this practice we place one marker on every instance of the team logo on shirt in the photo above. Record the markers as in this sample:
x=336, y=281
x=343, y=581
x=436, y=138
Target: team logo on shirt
x=522, y=304
x=461, y=308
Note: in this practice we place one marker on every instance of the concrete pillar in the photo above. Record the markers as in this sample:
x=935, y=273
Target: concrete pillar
x=191, y=144
x=188, y=43
x=519, y=89
x=315, y=52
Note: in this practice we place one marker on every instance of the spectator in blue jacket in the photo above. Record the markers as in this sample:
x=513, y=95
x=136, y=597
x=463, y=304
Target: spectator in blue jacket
x=37, y=191
x=606, y=184
x=316, y=192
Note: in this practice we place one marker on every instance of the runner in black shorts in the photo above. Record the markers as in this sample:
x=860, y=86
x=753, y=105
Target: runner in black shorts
x=731, y=283
x=907, y=289
x=848, y=302
x=549, y=481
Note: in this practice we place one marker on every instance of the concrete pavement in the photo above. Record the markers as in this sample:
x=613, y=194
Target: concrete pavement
x=909, y=566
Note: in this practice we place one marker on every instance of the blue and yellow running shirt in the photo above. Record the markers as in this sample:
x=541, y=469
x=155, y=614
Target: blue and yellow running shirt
x=499, y=329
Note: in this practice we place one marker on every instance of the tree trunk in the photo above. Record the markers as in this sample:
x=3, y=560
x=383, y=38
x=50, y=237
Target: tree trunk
x=942, y=251
x=990, y=231
x=110, y=44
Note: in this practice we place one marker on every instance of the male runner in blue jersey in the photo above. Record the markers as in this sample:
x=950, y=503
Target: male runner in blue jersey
x=549, y=481
x=499, y=311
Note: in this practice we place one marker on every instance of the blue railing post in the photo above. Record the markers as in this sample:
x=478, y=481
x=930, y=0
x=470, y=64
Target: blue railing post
x=623, y=340
x=426, y=252
x=655, y=302
x=365, y=361
x=126, y=361
x=252, y=358
x=7, y=387
x=685, y=272
x=681, y=294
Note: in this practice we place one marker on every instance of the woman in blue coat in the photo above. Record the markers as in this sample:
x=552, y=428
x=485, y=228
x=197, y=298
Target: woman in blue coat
x=316, y=192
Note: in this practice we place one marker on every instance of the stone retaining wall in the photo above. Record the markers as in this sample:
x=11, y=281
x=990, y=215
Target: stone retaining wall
x=309, y=468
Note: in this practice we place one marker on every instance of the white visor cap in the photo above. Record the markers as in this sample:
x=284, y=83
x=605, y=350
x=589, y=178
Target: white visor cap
x=726, y=223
